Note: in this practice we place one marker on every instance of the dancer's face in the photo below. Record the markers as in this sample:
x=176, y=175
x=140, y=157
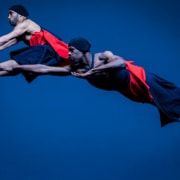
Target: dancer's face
x=74, y=54
x=13, y=18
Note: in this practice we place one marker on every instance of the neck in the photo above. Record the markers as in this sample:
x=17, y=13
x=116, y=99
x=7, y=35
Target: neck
x=87, y=59
x=21, y=19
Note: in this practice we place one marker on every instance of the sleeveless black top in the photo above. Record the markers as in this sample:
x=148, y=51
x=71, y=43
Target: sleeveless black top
x=109, y=80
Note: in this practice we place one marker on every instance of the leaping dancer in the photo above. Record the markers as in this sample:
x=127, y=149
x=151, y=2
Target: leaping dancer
x=111, y=72
x=43, y=46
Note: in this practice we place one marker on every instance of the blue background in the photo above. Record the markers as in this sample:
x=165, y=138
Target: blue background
x=62, y=128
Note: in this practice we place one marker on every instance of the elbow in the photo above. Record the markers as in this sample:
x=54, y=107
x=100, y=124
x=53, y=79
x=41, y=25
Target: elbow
x=120, y=63
x=123, y=65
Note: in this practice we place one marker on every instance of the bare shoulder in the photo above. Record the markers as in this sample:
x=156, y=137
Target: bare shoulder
x=33, y=26
x=104, y=53
x=104, y=56
x=108, y=53
x=29, y=26
x=30, y=22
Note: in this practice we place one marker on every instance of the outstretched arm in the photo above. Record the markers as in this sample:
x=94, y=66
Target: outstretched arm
x=103, y=62
x=43, y=69
x=8, y=44
x=12, y=37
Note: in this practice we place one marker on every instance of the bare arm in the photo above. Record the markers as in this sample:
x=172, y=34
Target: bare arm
x=109, y=61
x=12, y=37
x=43, y=69
x=9, y=43
x=103, y=62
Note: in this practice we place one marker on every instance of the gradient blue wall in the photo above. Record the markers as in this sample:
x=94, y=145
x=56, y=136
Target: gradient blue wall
x=62, y=128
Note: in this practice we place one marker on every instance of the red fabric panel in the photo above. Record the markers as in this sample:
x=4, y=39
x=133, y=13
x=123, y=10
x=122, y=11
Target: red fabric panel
x=138, y=88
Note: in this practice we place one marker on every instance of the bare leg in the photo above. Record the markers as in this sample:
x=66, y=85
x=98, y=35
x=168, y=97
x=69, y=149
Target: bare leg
x=9, y=66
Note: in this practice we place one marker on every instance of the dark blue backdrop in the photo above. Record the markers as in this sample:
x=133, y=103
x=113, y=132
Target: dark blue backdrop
x=62, y=128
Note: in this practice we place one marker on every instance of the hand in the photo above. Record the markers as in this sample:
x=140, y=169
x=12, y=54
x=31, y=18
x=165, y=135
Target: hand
x=82, y=75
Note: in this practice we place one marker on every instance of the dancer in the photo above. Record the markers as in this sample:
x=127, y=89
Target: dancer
x=111, y=72
x=43, y=47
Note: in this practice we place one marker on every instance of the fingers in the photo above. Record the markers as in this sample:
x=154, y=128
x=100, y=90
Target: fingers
x=75, y=74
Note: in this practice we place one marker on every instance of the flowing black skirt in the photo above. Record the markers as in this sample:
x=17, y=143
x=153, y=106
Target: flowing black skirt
x=40, y=54
x=166, y=97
